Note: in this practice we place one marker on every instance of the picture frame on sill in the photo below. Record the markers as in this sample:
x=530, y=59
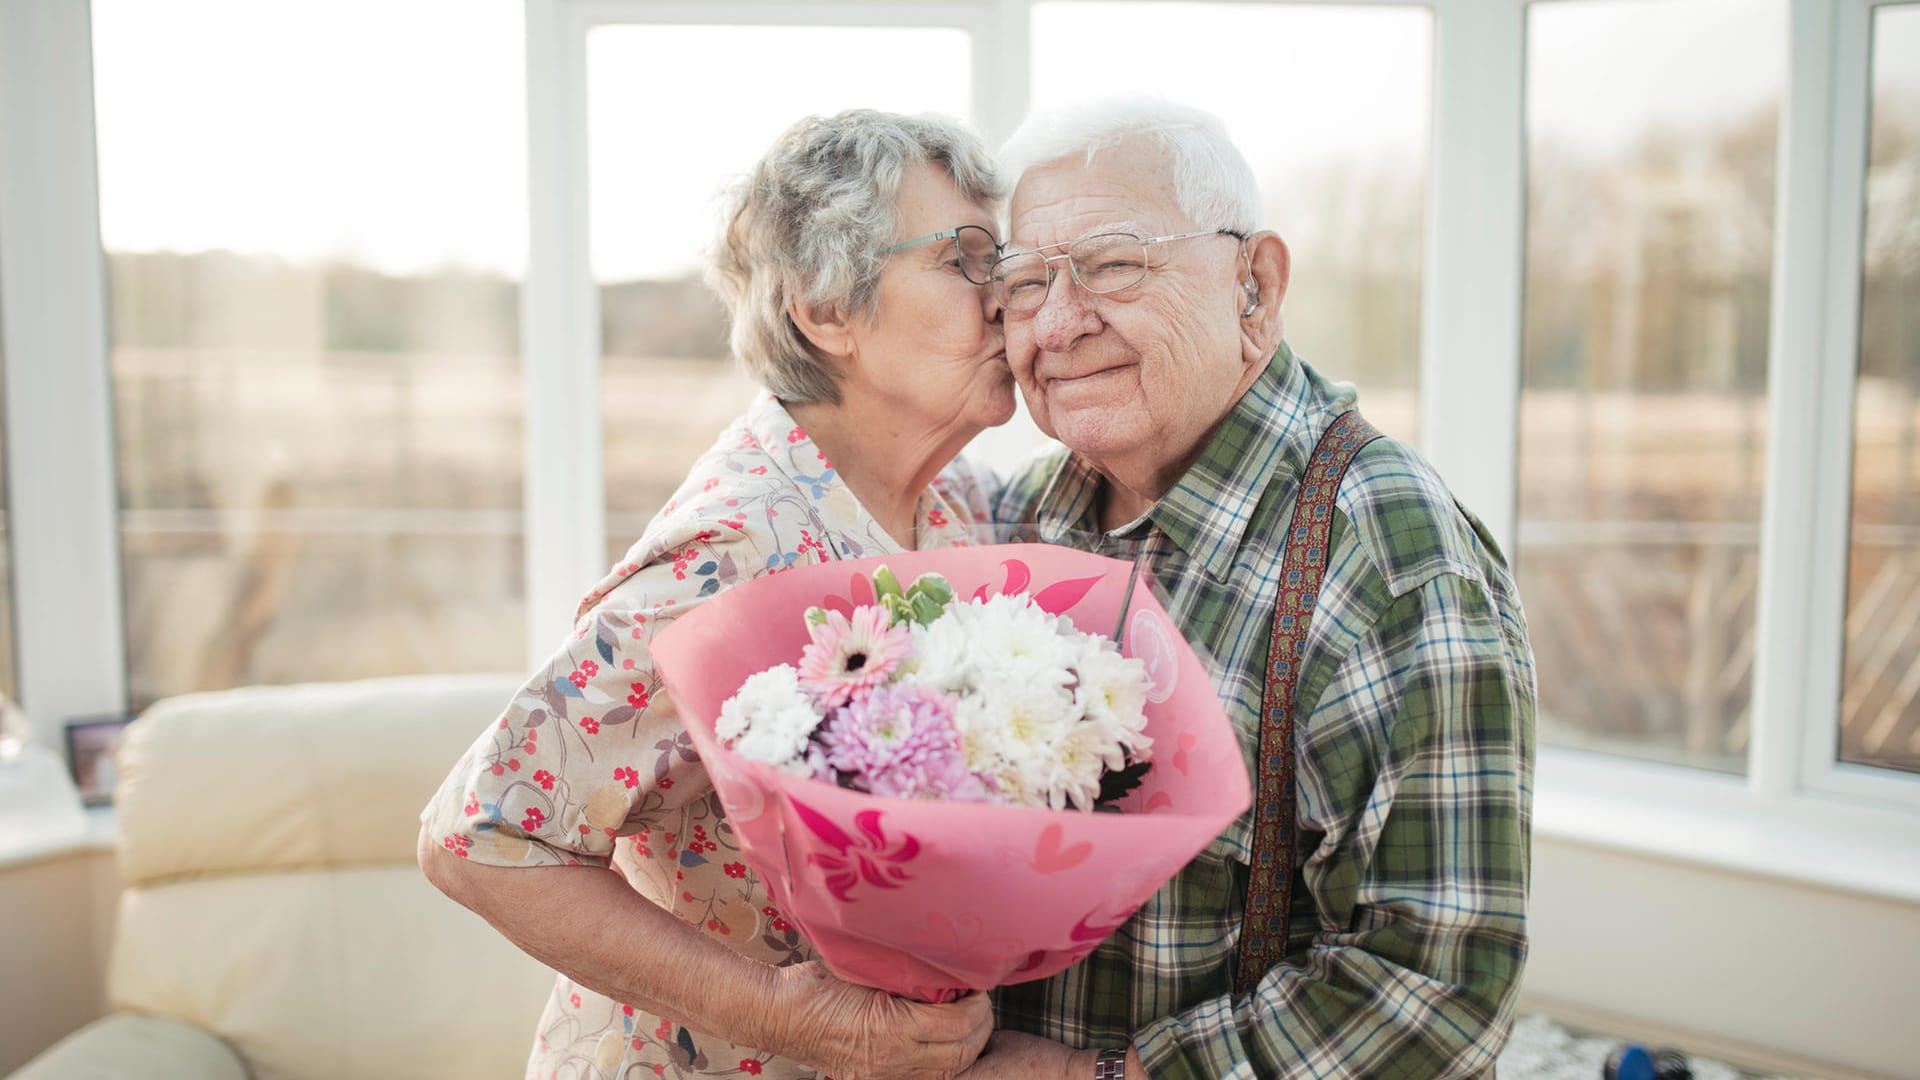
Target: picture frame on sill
x=91, y=742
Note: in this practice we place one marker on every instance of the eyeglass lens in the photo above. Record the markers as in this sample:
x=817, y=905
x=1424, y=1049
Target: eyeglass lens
x=1104, y=263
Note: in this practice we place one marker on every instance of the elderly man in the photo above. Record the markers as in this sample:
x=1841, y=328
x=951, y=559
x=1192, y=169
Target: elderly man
x=1385, y=860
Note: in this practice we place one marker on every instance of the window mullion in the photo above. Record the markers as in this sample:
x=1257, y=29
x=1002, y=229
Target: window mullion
x=560, y=319
x=60, y=460
x=1797, y=651
x=1002, y=58
x=1471, y=316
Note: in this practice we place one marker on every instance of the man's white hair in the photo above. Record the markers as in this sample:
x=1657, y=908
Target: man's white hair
x=1212, y=181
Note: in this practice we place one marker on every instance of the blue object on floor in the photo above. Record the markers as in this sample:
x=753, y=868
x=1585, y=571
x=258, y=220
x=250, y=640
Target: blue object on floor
x=1629, y=1062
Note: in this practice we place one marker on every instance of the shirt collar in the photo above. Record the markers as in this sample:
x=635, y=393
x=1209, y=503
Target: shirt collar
x=939, y=521
x=1270, y=430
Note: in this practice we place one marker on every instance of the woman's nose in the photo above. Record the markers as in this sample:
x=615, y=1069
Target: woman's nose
x=990, y=305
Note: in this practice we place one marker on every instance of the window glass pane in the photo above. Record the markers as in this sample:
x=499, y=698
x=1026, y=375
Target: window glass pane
x=1880, y=707
x=656, y=169
x=1333, y=111
x=314, y=218
x=1651, y=129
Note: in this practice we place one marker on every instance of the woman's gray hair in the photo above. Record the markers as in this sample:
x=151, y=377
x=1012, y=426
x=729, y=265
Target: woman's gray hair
x=812, y=223
x=1212, y=181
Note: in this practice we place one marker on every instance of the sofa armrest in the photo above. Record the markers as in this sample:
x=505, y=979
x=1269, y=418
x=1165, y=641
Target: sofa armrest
x=126, y=1046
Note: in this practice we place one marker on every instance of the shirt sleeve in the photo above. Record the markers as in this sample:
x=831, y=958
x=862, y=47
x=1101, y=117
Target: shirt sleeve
x=590, y=748
x=1415, y=770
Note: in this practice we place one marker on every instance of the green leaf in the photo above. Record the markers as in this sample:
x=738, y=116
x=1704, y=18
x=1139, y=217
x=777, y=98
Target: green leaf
x=816, y=616
x=926, y=609
x=932, y=586
x=885, y=585
x=1116, y=784
x=898, y=610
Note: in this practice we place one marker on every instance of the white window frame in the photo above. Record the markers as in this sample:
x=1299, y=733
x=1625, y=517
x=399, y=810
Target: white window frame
x=64, y=525
x=1796, y=814
x=1827, y=318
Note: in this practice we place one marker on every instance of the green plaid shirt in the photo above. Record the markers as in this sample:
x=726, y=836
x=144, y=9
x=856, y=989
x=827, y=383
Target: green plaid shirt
x=1414, y=751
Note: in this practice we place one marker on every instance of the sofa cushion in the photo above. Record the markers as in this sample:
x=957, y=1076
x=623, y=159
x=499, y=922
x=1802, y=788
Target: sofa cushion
x=124, y=1047
x=363, y=972
x=289, y=777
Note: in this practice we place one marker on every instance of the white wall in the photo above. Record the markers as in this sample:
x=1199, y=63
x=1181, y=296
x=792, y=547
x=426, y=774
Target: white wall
x=54, y=935
x=1790, y=972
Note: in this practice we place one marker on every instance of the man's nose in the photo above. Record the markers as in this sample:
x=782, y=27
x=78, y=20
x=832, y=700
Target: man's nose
x=1065, y=316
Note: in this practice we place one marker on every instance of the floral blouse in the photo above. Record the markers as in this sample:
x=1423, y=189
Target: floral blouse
x=589, y=765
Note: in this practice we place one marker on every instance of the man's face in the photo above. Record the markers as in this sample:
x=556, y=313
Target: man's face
x=1132, y=380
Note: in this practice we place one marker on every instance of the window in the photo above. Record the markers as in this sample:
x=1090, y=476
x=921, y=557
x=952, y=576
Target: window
x=314, y=289
x=1345, y=180
x=1651, y=135
x=655, y=173
x=1880, y=704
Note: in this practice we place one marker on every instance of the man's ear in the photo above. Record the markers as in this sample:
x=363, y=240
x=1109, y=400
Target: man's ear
x=1269, y=265
x=825, y=325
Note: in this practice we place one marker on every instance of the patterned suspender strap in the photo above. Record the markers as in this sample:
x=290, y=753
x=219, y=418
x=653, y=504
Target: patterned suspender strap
x=1263, y=937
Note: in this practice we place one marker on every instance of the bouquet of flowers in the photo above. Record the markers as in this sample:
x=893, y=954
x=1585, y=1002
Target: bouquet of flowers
x=908, y=771
x=921, y=695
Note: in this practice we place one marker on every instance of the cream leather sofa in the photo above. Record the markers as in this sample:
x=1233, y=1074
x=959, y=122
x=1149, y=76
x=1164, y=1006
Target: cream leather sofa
x=274, y=921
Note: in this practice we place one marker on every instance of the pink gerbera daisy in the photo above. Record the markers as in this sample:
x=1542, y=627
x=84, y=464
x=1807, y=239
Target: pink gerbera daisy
x=851, y=656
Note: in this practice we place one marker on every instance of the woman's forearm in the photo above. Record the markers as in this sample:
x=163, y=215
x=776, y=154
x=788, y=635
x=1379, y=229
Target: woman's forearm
x=590, y=926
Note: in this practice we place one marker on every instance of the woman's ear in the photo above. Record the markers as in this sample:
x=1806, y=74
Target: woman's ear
x=1269, y=266
x=825, y=325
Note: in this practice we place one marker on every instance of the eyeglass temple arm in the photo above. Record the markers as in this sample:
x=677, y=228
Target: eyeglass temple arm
x=948, y=234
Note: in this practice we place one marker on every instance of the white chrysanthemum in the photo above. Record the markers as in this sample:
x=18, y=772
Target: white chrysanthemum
x=771, y=719
x=1113, y=694
x=1073, y=769
x=943, y=656
x=1011, y=730
x=1010, y=631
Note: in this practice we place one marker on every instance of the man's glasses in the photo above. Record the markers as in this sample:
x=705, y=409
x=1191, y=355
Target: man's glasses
x=1101, y=263
x=975, y=247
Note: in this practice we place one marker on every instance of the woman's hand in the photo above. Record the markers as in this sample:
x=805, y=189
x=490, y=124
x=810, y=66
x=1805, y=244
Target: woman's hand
x=853, y=1033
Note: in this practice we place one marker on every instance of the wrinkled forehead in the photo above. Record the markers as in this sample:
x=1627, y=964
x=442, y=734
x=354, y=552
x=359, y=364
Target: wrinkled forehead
x=1124, y=188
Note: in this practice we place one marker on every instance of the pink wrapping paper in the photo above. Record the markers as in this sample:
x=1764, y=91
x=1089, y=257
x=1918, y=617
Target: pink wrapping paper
x=925, y=898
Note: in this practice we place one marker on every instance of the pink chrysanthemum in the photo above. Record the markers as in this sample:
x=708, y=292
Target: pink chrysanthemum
x=851, y=656
x=901, y=741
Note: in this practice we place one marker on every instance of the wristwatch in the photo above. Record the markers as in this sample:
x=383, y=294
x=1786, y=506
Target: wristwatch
x=1110, y=1065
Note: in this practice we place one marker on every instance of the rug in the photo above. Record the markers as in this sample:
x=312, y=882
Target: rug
x=1540, y=1049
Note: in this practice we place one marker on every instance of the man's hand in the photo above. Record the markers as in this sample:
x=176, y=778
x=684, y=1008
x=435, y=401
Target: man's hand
x=853, y=1033
x=1014, y=1056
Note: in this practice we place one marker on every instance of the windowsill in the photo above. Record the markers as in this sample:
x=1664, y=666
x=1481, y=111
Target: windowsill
x=1707, y=819
x=98, y=832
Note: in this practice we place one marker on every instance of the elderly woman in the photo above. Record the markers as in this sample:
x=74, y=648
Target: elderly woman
x=852, y=261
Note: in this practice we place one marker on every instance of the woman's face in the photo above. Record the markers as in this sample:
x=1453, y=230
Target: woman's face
x=930, y=351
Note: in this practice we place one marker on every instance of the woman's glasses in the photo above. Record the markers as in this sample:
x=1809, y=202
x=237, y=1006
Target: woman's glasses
x=976, y=248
